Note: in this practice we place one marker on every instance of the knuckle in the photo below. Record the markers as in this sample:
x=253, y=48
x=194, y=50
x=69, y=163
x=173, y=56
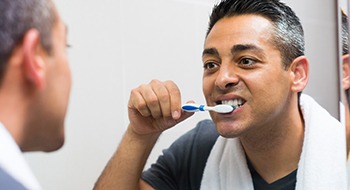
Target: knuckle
x=155, y=81
x=142, y=87
x=163, y=97
x=133, y=92
x=152, y=101
x=141, y=106
x=172, y=87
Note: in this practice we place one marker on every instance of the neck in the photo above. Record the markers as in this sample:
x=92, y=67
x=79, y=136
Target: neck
x=275, y=151
x=347, y=127
x=14, y=104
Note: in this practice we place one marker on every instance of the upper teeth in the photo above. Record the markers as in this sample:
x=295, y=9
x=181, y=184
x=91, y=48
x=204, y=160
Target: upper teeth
x=235, y=102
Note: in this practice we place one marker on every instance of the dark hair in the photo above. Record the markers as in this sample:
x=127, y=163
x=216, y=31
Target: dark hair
x=19, y=16
x=288, y=34
x=345, y=33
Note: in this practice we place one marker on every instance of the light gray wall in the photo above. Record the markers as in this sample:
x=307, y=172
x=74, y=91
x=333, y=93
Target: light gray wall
x=320, y=26
x=120, y=44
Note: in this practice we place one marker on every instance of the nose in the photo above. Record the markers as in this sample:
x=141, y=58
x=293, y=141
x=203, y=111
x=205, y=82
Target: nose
x=227, y=77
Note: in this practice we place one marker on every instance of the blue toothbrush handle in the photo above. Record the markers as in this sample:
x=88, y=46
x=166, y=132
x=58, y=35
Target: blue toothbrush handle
x=193, y=107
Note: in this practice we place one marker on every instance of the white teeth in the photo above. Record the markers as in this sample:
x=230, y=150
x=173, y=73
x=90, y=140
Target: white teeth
x=240, y=102
x=229, y=102
x=235, y=102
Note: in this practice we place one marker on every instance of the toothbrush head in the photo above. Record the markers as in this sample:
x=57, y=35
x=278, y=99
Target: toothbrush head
x=223, y=108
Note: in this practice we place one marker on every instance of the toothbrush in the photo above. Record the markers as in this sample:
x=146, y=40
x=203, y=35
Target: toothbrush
x=222, y=108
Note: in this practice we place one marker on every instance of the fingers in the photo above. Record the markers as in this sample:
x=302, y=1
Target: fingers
x=157, y=99
x=137, y=102
x=175, y=99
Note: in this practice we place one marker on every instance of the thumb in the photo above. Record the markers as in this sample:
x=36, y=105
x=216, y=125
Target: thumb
x=183, y=115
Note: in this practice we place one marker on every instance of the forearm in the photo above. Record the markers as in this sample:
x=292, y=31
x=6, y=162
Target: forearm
x=124, y=169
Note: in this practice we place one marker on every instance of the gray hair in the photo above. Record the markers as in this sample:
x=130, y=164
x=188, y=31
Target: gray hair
x=345, y=32
x=288, y=34
x=19, y=16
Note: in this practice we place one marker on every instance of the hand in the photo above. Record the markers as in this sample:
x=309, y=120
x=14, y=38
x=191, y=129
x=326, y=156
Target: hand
x=155, y=107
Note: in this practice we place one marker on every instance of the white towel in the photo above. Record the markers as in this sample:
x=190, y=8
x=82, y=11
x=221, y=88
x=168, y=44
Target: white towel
x=322, y=165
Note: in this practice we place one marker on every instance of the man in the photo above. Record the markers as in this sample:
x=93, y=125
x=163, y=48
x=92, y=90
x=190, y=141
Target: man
x=35, y=86
x=346, y=82
x=253, y=59
x=346, y=73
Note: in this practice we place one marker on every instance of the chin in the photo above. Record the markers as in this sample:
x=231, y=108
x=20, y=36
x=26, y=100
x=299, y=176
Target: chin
x=47, y=145
x=228, y=134
x=44, y=141
x=229, y=130
x=54, y=145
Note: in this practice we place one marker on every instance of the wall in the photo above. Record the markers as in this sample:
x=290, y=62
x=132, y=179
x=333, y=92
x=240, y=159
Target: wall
x=118, y=45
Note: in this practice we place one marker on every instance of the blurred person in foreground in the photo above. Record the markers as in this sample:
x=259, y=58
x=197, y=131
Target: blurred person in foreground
x=35, y=86
x=346, y=74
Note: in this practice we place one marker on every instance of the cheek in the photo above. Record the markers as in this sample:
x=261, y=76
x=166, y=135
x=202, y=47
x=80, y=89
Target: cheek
x=271, y=89
x=65, y=68
x=68, y=74
x=63, y=75
x=268, y=78
x=207, y=86
x=67, y=82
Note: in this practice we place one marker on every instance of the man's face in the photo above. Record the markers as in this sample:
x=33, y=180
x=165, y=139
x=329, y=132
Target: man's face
x=241, y=65
x=51, y=105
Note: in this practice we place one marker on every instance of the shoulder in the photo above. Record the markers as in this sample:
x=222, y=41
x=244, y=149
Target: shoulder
x=181, y=166
x=8, y=182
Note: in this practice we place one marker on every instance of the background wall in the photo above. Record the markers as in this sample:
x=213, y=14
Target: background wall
x=120, y=44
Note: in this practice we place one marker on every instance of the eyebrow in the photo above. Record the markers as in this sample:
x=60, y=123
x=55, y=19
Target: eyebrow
x=235, y=49
x=245, y=47
x=210, y=51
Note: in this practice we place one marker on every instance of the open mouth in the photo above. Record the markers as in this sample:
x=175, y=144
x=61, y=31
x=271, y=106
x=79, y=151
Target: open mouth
x=236, y=102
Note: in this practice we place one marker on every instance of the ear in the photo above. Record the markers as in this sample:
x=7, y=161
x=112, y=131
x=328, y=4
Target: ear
x=346, y=72
x=33, y=60
x=299, y=73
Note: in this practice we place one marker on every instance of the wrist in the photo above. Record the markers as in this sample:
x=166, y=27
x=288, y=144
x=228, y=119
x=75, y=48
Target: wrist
x=151, y=137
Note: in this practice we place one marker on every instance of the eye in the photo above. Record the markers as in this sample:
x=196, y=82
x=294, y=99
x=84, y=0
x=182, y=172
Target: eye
x=210, y=66
x=247, y=62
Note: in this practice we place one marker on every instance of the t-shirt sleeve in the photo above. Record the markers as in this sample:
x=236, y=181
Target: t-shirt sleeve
x=181, y=166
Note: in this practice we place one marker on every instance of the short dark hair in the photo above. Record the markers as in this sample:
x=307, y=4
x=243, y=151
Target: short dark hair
x=19, y=16
x=345, y=33
x=288, y=34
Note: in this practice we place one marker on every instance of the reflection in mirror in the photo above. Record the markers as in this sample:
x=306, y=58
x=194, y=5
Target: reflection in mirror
x=345, y=68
